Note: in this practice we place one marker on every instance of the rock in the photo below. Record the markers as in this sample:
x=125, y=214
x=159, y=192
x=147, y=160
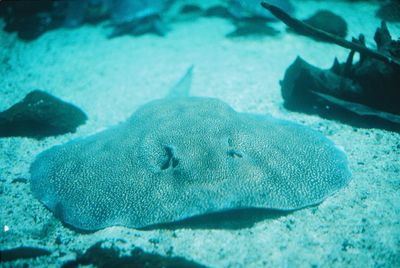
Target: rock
x=40, y=115
x=310, y=89
x=252, y=28
x=19, y=180
x=365, y=89
x=22, y=253
x=390, y=11
x=99, y=256
x=29, y=19
x=328, y=22
x=218, y=11
x=190, y=9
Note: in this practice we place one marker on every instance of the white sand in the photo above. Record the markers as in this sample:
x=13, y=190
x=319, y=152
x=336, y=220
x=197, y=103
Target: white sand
x=109, y=79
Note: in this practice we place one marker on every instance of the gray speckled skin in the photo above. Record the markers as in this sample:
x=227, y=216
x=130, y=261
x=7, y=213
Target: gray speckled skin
x=176, y=158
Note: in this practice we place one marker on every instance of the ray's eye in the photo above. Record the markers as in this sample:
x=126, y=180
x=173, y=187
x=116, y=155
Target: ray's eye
x=170, y=158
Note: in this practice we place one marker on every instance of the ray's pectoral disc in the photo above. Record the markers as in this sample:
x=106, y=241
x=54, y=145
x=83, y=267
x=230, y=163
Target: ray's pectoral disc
x=180, y=157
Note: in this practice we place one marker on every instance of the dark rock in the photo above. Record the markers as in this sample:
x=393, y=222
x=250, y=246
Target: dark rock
x=302, y=79
x=22, y=253
x=252, y=27
x=40, y=115
x=249, y=19
x=19, y=180
x=354, y=45
x=312, y=90
x=147, y=25
x=390, y=11
x=365, y=91
x=190, y=9
x=139, y=17
x=30, y=19
x=98, y=256
x=329, y=22
x=32, y=27
x=218, y=11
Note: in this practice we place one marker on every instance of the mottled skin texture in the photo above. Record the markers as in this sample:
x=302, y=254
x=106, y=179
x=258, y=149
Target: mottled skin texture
x=176, y=158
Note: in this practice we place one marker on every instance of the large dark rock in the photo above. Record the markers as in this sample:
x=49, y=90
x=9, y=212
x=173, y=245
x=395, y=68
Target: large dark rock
x=368, y=88
x=29, y=19
x=390, y=11
x=39, y=115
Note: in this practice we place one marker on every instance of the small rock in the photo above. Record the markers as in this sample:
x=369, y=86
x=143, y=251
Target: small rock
x=217, y=11
x=19, y=180
x=40, y=115
x=389, y=12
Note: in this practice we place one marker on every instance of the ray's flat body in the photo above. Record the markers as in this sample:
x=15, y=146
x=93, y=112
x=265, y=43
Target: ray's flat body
x=184, y=156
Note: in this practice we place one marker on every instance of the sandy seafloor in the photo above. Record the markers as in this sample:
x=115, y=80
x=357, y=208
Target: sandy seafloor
x=359, y=226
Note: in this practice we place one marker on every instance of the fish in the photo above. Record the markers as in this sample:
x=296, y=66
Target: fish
x=183, y=156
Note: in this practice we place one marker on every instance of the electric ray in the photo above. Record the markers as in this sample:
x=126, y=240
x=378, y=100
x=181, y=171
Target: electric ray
x=183, y=156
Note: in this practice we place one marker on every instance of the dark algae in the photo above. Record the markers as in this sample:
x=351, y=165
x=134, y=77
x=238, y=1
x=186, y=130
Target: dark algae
x=100, y=257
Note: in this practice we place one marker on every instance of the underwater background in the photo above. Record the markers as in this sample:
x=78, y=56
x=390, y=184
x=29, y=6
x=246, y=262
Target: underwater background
x=108, y=69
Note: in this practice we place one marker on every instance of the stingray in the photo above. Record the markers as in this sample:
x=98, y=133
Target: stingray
x=184, y=156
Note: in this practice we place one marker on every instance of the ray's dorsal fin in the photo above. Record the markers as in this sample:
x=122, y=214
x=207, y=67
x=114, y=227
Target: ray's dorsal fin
x=182, y=88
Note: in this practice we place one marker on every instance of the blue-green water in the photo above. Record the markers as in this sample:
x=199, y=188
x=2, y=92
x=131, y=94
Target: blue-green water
x=110, y=59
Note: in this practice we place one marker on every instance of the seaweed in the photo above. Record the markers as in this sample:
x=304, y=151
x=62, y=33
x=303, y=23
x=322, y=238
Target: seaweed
x=308, y=30
x=100, y=256
x=368, y=88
